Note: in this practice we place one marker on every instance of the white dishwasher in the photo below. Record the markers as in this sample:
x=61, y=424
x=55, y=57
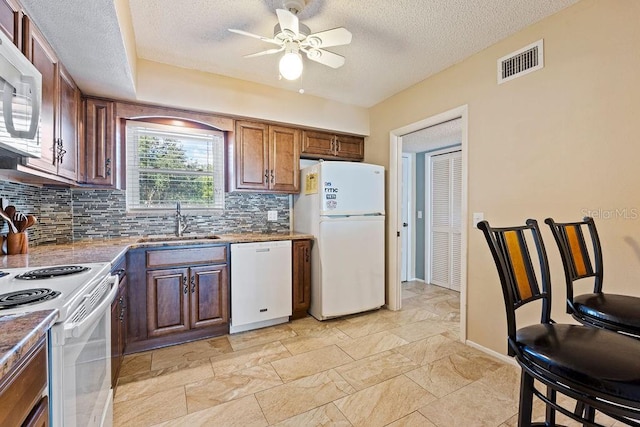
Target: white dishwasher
x=260, y=284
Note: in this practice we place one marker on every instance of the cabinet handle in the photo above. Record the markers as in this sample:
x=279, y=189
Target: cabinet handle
x=338, y=145
x=184, y=284
x=60, y=151
x=333, y=144
x=107, y=166
x=266, y=176
x=193, y=284
x=272, y=177
x=306, y=253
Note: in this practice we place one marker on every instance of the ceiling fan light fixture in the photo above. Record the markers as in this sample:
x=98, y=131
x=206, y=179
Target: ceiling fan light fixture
x=290, y=65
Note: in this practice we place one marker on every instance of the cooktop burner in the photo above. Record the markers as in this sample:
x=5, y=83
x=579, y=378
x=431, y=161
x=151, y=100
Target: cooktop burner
x=26, y=296
x=46, y=273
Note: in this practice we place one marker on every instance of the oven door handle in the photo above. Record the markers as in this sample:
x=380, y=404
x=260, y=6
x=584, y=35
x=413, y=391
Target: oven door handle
x=76, y=329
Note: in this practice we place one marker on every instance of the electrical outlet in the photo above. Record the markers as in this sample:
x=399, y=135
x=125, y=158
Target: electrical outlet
x=419, y=214
x=477, y=217
x=272, y=215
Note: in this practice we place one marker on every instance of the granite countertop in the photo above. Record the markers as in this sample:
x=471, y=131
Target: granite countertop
x=108, y=250
x=19, y=333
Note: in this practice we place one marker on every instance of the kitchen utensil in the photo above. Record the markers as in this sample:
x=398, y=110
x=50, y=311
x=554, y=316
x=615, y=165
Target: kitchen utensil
x=12, y=227
x=3, y=203
x=10, y=211
x=19, y=220
x=31, y=220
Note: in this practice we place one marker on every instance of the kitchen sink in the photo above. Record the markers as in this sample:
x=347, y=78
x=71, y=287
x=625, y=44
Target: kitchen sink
x=172, y=238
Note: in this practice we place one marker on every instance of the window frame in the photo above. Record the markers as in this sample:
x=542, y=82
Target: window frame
x=176, y=123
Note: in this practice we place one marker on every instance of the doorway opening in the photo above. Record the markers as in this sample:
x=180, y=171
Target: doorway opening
x=404, y=149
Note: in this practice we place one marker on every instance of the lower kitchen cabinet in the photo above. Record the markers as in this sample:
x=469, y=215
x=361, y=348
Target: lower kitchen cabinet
x=182, y=299
x=301, y=271
x=118, y=323
x=181, y=295
x=22, y=389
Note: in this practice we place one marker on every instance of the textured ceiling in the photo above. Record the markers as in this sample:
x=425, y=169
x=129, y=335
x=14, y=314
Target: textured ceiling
x=396, y=43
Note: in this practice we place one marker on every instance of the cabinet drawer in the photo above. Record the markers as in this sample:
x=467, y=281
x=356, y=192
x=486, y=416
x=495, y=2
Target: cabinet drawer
x=187, y=256
x=23, y=389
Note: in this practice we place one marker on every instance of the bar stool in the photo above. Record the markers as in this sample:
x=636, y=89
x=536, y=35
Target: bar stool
x=598, y=368
x=620, y=313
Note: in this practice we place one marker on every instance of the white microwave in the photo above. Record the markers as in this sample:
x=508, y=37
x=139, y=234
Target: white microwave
x=20, y=102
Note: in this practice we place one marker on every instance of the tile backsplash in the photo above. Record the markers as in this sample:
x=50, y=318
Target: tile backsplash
x=66, y=215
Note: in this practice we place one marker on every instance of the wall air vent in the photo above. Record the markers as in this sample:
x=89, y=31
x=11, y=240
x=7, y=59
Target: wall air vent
x=516, y=64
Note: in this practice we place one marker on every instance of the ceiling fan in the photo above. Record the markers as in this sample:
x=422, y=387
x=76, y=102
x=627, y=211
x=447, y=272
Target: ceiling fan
x=293, y=37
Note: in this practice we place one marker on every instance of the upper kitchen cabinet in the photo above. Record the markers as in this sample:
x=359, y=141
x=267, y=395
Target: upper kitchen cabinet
x=267, y=158
x=10, y=21
x=98, y=150
x=59, y=111
x=330, y=146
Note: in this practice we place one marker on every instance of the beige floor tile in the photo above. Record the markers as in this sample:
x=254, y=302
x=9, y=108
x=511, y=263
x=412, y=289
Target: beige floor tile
x=375, y=369
x=315, y=339
x=430, y=349
x=414, y=419
x=162, y=382
x=260, y=336
x=474, y=405
x=372, y=344
x=418, y=330
x=244, y=412
x=135, y=364
x=327, y=415
x=384, y=403
x=410, y=315
x=189, y=352
x=223, y=388
x=151, y=409
x=439, y=378
x=505, y=381
x=311, y=362
x=363, y=326
x=252, y=356
x=310, y=324
x=296, y=397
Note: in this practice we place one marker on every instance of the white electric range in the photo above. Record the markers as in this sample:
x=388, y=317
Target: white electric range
x=80, y=340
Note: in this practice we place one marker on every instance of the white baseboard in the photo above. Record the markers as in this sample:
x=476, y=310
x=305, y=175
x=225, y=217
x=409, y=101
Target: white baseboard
x=506, y=359
x=416, y=280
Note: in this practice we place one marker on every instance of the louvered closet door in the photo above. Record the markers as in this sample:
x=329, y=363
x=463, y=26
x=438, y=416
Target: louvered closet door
x=445, y=207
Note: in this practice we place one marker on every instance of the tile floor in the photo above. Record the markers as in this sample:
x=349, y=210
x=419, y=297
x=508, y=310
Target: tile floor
x=383, y=368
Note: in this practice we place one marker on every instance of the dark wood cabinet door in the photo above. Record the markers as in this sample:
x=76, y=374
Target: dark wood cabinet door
x=209, y=296
x=301, y=271
x=284, y=159
x=99, y=159
x=318, y=144
x=67, y=137
x=167, y=301
x=10, y=21
x=350, y=147
x=39, y=416
x=252, y=156
x=38, y=51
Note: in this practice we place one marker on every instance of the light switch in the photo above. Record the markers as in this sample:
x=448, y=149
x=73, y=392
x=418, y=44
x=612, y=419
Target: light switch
x=477, y=217
x=419, y=214
x=272, y=215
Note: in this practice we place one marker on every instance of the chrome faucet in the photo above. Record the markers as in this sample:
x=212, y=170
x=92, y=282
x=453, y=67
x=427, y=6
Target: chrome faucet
x=181, y=221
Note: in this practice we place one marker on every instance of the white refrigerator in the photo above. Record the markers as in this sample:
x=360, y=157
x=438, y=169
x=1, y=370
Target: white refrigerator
x=342, y=205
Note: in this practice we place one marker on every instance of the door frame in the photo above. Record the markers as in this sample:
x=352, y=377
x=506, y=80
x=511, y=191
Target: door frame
x=411, y=240
x=394, y=290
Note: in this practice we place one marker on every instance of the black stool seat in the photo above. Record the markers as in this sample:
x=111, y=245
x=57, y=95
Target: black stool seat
x=621, y=311
x=599, y=360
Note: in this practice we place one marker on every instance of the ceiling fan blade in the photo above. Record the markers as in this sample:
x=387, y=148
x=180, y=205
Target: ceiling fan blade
x=289, y=23
x=255, y=36
x=265, y=52
x=325, y=57
x=334, y=37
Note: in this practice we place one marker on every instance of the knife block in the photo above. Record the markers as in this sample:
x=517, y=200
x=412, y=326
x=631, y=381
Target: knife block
x=17, y=243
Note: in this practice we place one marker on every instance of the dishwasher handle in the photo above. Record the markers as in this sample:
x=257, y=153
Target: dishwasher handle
x=263, y=250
